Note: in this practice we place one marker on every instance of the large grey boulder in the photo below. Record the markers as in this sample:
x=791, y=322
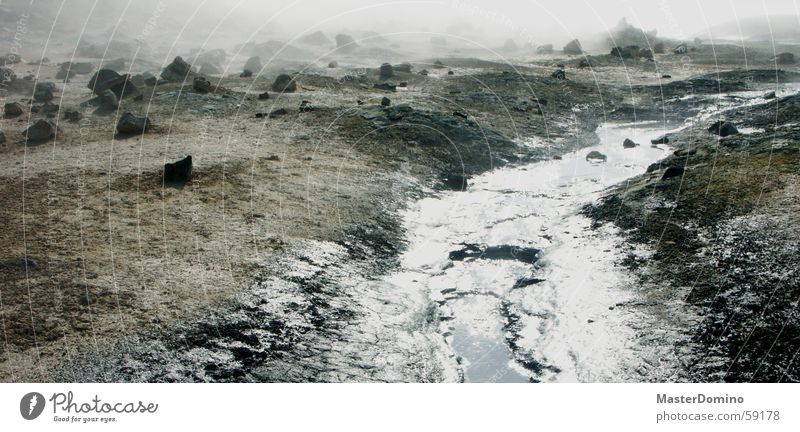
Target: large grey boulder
x=177, y=71
x=573, y=48
x=42, y=130
x=284, y=84
x=129, y=124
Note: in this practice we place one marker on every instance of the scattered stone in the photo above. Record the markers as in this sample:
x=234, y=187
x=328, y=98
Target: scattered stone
x=73, y=115
x=386, y=86
x=333, y=64
x=42, y=130
x=424, y=72
x=177, y=71
x=106, y=79
x=43, y=92
x=460, y=114
x=785, y=58
x=385, y=72
x=12, y=109
x=129, y=123
x=178, y=172
x=723, y=128
x=263, y=96
x=201, y=85
x=672, y=171
x=253, y=64
x=106, y=101
x=559, y=74
x=629, y=143
x=596, y=156
x=385, y=101
x=666, y=76
x=2, y=137
x=306, y=106
x=573, y=48
x=450, y=72
x=284, y=84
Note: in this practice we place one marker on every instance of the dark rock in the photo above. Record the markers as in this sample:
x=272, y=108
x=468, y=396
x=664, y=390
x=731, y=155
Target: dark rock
x=333, y=64
x=106, y=79
x=402, y=84
x=107, y=101
x=19, y=264
x=386, y=86
x=7, y=76
x=596, y=156
x=723, y=128
x=660, y=140
x=284, y=84
x=130, y=124
x=385, y=101
x=628, y=143
x=306, y=106
x=42, y=130
x=253, y=64
x=785, y=58
x=573, y=48
x=584, y=63
x=201, y=85
x=72, y=115
x=770, y=95
x=450, y=72
x=43, y=92
x=138, y=80
x=2, y=137
x=666, y=76
x=177, y=71
x=424, y=72
x=178, y=172
x=152, y=81
x=460, y=114
x=10, y=59
x=680, y=49
x=559, y=74
x=246, y=74
x=457, y=181
x=385, y=72
x=263, y=96
x=49, y=108
x=275, y=113
x=673, y=171
x=13, y=109
x=85, y=299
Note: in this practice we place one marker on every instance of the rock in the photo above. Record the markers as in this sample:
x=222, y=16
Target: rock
x=385, y=101
x=106, y=79
x=152, y=81
x=386, y=86
x=673, y=171
x=627, y=52
x=785, y=58
x=424, y=72
x=106, y=101
x=559, y=74
x=42, y=130
x=138, y=80
x=573, y=48
x=402, y=67
x=177, y=71
x=246, y=74
x=275, y=113
x=263, y=96
x=680, y=49
x=770, y=95
x=333, y=64
x=10, y=59
x=7, y=76
x=85, y=299
x=658, y=48
x=584, y=63
x=596, y=156
x=450, y=72
x=129, y=124
x=402, y=84
x=666, y=76
x=201, y=85
x=723, y=128
x=385, y=72
x=544, y=49
x=115, y=65
x=2, y=137
x=305, y=106
x=178, y=172
x=345, y=42
x=284, y=84
x=660, y=140
x=49, y=108
x=628, y=143
x=42, y=93
x=460, y=114
x=253, y=64
x=73, y=115
x=12, y=109
x=455, y=180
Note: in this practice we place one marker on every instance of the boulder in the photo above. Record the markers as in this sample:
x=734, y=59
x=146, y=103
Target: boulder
x=658, y=48
x=317, y=38
x=386, y=86
x=438, y=64
x=263, y=96
x=247, y=73
x=723, y=128
x=10, y=59
x=660, y=140
x=106, y=79
x=385, y=72
x=385, y=101
x=544, y=49
x=13, y=109
x=785, y=58
x=629, y=143
x=177, y=71
x=43, y=92
x=106, y=101
x=253, y=64
x=73, y=115
x=201, y=85
x=333, y=64
x=559, y=74
x=573, y=48
x=129, y=123
x=178, y=172
x=42, y=130
x=596, y=156
x=673, y=171
x=306, y=106
x=455, y=180
x=2, y=137
x=770, y=95
x=284, y=84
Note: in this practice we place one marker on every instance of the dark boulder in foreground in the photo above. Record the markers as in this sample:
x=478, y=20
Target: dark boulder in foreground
x=263, y=96
x=178, y=172
x=723, y=128
x=177, y=71
x=129, y=124
x=596, y=156
x=43, y=92
x=385, y=101
x=2, y=137
x=559, y=74
x=573, y=48
x=12, y=109
x=284, y=84
x=42, y=130
x=673, y=171
x=306, y=106
x=201, y=85
x=106, y=79
x=629, y=143
x=386, y=72
x=107, y=101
